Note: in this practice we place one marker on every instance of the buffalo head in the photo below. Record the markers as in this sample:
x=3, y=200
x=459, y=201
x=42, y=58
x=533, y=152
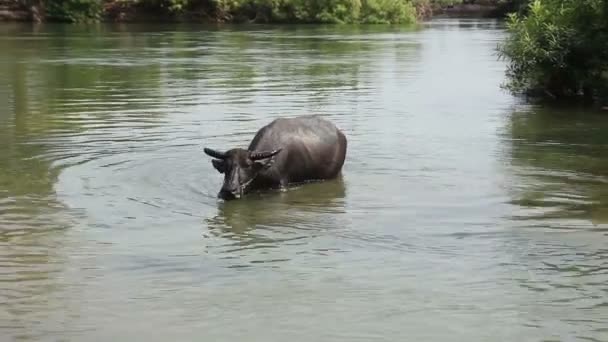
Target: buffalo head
x=240, y=167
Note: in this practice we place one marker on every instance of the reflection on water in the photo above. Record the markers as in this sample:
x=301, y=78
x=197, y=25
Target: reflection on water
x=298, y=211
x=560, y=186
x=560, y=158
x=457, y=217
x=32, y=223
x=258, y=226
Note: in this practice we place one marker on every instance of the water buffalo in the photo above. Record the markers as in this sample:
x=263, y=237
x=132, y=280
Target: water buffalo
x=286, y=151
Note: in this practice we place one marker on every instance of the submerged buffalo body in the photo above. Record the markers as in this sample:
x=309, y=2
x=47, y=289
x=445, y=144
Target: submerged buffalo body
x=287, y=150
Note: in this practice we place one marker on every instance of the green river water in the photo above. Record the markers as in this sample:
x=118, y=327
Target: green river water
x=463, y=213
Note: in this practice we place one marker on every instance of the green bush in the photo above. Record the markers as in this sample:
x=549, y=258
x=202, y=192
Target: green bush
x=167, y=6
x=558, y=49
x=317, y=11
x=388, y=12
x=74, y=10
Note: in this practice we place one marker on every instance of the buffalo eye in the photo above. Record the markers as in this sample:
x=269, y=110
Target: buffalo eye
x=258, y=166
x=219, y=165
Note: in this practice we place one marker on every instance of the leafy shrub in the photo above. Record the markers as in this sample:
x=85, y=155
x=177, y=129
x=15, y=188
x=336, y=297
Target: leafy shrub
x=388, y=12
x=559, y=48
x=74, y=10
x=317, y=11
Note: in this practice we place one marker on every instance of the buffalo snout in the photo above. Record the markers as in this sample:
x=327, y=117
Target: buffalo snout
x=228, y=195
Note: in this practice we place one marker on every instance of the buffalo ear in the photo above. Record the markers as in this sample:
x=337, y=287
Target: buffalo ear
x=219, y=165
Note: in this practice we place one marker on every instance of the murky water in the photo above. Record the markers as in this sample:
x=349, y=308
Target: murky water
x=462, y=214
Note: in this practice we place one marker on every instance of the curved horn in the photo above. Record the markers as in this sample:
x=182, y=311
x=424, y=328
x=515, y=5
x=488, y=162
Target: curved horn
x=214, y=153
x=263, y=155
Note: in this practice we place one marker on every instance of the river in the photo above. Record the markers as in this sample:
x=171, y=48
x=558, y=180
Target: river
x=463, y=213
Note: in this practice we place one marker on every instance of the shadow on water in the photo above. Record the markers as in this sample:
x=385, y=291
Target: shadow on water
x=559, y=157
x=58, y=101
x=277, y=216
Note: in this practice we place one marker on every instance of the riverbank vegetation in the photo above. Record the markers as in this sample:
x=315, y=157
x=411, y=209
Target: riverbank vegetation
x=558, y=49
x=259, y=11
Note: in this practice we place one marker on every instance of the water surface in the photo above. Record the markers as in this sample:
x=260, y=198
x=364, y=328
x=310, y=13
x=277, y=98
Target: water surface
x=462, y=214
